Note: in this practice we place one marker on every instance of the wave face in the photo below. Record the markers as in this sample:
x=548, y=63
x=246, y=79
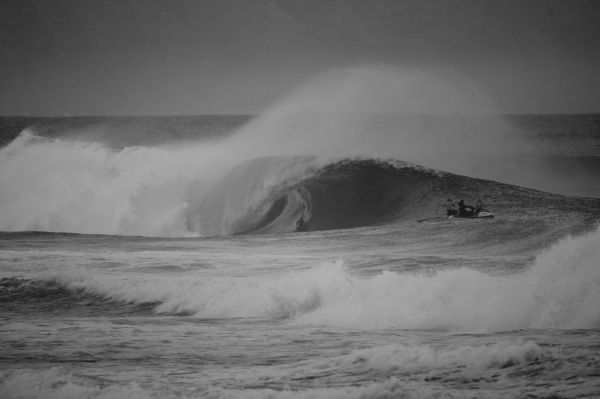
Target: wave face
x=51, y=296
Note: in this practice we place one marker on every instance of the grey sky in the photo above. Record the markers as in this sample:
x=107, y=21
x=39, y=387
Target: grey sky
x=237, y=56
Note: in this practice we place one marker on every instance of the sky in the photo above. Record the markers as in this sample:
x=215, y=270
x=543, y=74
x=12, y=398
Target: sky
x=165, y=57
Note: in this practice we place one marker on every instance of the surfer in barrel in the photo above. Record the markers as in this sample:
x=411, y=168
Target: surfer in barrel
x=300, y=224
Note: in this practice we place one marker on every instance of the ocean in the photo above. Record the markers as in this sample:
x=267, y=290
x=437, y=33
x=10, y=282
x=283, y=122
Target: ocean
x=157, y=257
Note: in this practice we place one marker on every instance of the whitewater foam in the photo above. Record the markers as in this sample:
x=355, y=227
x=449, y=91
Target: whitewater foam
x=412, y=357
x=561, y=289
x=65, y=186
x=55, y=185
x=391, y=361
x=57, y=383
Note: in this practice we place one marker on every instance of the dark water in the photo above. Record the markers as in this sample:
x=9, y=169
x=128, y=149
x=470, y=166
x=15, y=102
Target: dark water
x=139, y=262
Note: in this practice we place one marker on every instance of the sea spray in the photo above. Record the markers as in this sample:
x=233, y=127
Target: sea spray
x=177, y=190
x=67, y=186
x=435, y=119
x=56, y=185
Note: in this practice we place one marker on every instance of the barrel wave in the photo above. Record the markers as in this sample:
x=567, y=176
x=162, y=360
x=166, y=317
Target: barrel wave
x=68, y=186
x=354, y=193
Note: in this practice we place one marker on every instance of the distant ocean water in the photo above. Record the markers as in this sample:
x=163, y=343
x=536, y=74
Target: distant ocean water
x=156, y=257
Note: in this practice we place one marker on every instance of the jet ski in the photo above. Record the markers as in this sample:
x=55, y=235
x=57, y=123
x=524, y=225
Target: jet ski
x=475, y=215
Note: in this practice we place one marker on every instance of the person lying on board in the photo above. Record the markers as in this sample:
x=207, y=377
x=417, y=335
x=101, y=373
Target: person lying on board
x=300, y=223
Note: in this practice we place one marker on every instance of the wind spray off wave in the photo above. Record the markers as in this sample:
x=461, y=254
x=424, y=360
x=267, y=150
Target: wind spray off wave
x=187, y=189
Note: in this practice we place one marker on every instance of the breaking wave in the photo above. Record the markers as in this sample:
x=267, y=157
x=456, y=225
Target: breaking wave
x=561, y=289
x=62, y=186
x=259, y=178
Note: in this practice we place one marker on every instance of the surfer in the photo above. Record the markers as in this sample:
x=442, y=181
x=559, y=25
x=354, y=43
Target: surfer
x=450, y=208
x=300, y=223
